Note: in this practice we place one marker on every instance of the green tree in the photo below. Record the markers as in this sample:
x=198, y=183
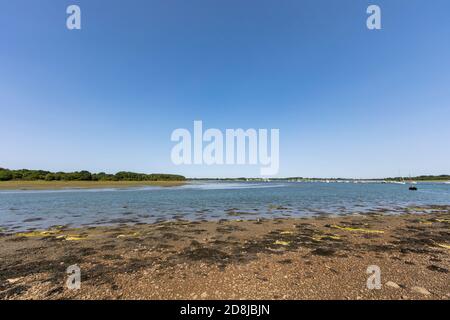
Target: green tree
x=5, y=175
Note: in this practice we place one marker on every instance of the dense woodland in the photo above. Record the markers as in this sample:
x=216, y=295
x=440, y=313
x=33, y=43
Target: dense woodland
x=32, y=175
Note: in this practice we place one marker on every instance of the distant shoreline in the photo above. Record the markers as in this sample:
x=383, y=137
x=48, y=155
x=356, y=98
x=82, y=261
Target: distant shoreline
x=340, y=180
x=58, y=185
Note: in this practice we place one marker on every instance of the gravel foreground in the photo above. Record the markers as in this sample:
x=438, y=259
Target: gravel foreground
x=293, y=258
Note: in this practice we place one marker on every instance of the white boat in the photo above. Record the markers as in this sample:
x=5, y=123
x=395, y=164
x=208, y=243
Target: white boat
x=448, y=182
x=400, y=181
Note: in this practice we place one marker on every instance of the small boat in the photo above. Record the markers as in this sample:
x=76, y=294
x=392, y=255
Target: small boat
x=412, y=185
x=400, y=180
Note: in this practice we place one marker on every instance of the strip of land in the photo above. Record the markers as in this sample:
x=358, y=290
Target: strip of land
x=292, y=258
x=58, y=185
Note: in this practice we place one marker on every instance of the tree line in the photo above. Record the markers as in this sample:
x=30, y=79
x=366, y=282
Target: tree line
x=32, y=175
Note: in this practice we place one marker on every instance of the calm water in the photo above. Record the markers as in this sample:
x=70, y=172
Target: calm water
x=27, y=210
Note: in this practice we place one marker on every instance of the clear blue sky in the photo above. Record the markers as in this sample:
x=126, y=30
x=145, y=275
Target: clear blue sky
x=348, y=101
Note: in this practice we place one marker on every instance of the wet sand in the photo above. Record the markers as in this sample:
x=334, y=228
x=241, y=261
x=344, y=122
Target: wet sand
x=293, y=258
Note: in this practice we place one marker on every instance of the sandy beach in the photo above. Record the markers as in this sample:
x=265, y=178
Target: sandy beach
x=292, y=258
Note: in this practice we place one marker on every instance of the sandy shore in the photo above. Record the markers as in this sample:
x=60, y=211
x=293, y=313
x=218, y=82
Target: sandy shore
x=311, y=258
x=57, y=185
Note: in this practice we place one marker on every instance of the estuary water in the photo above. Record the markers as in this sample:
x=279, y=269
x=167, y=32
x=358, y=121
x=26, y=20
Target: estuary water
x=30, y=210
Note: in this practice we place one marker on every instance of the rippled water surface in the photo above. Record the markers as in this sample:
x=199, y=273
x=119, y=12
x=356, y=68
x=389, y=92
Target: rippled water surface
x=27, y=210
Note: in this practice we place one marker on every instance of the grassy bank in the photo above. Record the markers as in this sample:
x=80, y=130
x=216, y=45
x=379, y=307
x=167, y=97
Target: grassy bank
x=57, y=185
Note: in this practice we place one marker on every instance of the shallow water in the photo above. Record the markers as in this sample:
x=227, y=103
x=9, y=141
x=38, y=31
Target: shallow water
x=28, y=210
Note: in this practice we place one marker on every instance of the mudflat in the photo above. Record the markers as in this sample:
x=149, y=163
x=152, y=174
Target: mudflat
x=57, y=185
x=293, y=258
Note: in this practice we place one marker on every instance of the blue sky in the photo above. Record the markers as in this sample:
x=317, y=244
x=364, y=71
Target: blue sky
x=349, y=102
